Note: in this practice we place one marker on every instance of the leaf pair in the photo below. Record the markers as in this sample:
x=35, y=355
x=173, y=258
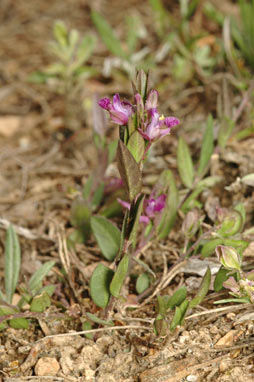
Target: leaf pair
x=104, y=282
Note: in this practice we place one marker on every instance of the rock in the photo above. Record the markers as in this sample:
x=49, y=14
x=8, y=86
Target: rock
x=46, y=366
x=227, y=340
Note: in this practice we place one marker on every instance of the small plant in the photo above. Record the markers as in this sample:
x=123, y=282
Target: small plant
x=71, y=53
x=67, y=74
x=140, y=125
x=34, y=294
x=193, y=178
x=191, y=54
x=127, y=59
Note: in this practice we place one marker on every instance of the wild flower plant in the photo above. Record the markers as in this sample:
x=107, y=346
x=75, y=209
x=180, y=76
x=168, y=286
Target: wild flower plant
x=140, y=125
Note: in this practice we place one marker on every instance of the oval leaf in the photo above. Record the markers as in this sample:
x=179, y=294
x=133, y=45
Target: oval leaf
x=129, y=170
x=184, y=163
x=107, y=235
x=19, y=323
x=179, y=315
x=142, y=283
x=209, y=248
x=119, y=276
x=221, y=276
x=136, y=146
x=99, y=285
x=40, y=303
x=178, y=297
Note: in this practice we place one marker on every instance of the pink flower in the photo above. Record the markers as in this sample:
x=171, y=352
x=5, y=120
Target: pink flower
x=155, y=205
x=119, y=111
x=158, y=126
x=152, y=207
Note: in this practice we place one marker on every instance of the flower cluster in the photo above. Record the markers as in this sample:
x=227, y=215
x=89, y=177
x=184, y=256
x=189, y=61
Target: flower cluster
x=151, y=125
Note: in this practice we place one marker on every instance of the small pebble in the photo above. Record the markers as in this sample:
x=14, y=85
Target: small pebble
x=46, y=366
x=192, y=378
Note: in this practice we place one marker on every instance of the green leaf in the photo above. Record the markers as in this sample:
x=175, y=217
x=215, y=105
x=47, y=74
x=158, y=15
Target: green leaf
x=135, y=226
x=87, y=188
x=75, y=237
x=190, y=202
x=227, y=300
x=112, y=147
x=85, y=49
x=119, y=276
x=209, y=247
x=11, y=263
x=160, y=326
x=168, y=217
x=160, y=15
x=98, y=320
x=99, y=285
x=185, y=164
x=97, y=196
x=40, y=303
x=226, y=128
x=19, y=323
x=179, y=315
x=37, y=278
x=221, y=276
x=87, y=326
x=142, y=283
x=6, y=310
x=133, y=24
x=207, y=147
x=107, y=235
x=80, y=217
x=241, y=209
x=108, y=36
x=136, y=146
x=209, y=181
x=240, y=245
x=203, y=289
x=129, y=170
x=231, y=225
x=178, y=297
x=60, y=33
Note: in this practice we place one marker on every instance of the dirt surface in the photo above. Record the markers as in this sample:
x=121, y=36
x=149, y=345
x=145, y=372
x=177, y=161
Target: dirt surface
x=42, y=160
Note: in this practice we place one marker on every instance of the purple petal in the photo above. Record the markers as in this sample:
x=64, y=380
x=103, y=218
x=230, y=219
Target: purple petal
x=118, y=117
x=124, y=204
x=171, y=121
x=104, y=103
x=144, y=219
x=160, y=202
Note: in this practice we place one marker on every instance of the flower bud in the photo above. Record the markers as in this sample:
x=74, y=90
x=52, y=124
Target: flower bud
x=152, y=100
x=191, y=223
x=229, y=257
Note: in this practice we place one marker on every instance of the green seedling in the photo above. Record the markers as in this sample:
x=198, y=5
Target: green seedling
x=37, y=296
